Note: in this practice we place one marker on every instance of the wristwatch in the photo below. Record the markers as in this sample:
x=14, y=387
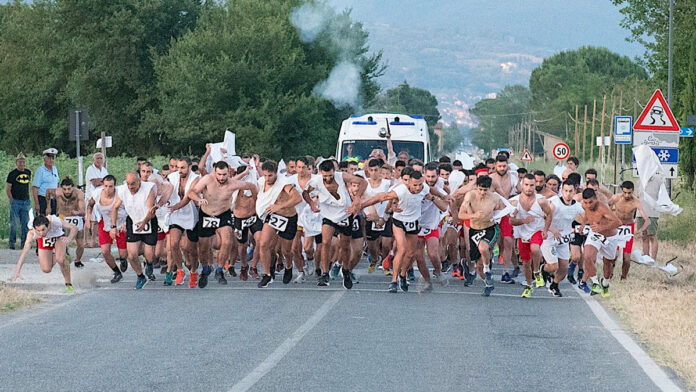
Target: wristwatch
x=113, y=227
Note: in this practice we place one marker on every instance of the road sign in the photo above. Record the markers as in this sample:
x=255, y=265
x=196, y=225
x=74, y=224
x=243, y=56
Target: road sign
x=623, y=129
x=526, y=156
x=657, y=116
x=73, y=115
x=691, y=119
x=606, y=141
x=666, y=148
x=561, y=151
x=670, y=169
x=686, y=132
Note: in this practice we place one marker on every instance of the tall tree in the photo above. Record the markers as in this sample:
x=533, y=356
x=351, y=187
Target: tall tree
x=496, y=116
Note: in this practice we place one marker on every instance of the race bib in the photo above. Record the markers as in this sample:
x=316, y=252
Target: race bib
x=49, y=242
x=210, y=222
x=476, y=238
x=564, y=239
x=585, y=230
x=147, y=228
x=410, y=226
x=344, y=222
x=356, y=224
x=599, y=238
x=377, y=228
x=278, y=222
x=159, y=229
x=624, y=230
x=424, y=232
x=248, y=222
x=238, y=234
x=77, y=221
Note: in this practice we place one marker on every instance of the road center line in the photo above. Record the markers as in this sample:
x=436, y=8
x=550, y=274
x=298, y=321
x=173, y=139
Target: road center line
x=656, y=374
x=276, y=356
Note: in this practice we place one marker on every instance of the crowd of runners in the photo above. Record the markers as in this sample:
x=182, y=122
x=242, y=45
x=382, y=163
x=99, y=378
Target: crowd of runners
x=241, y=218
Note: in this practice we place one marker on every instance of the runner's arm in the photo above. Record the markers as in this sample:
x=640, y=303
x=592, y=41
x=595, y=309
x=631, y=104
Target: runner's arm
x=167, y=190
x=114, y=216
x=151, y=209
x=349, y=178
x=608, y=222
x=81, y=204
x=380, y=197
x=646, y=220
x=465, y=211
x=204, y=159
x=440, y=203
x=197, y=188
x=294, y=199
x=20, y=262
x=72, y=229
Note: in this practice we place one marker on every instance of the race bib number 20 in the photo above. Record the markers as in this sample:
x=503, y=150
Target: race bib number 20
x=147, y=229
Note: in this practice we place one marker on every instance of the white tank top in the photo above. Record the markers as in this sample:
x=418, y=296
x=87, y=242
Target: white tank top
x=187, y=216
x=526, y=231
x=331, y=208
x=105, y=211
x=370, y=192
x=135, y=205
x=55, y=227
x=295, y=181
x=564, y=214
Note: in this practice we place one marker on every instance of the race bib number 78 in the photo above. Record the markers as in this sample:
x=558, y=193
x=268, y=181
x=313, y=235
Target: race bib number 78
x=210, y=222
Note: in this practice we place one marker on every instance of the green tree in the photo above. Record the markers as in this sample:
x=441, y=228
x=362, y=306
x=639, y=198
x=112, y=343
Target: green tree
x=451, y=138
x=496, y=116
x=408, y=100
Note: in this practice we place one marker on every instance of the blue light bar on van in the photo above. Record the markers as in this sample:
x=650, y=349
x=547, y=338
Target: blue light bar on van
x=401, y=123
x=355, y=115
x=364, y=122
x=417, y=117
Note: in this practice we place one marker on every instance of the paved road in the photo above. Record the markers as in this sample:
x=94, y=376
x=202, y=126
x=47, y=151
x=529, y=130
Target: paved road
x=304, y=338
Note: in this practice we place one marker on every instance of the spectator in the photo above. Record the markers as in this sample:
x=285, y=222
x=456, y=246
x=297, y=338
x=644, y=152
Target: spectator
x=46, y=177
x=95, y=174
x=20, y=204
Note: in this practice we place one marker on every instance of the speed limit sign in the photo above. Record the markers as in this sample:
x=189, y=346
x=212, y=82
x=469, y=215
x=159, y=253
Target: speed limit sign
x=561, y=151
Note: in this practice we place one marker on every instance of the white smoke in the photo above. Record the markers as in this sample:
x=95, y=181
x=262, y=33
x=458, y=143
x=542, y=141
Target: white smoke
x=342, y=87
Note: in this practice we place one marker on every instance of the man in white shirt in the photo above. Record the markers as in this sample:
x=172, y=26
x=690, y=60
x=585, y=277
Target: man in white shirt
x=95, y=175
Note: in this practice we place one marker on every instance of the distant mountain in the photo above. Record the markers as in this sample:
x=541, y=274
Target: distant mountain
x=464, y=50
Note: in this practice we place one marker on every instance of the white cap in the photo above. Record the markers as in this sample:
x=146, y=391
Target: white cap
x=50, y=151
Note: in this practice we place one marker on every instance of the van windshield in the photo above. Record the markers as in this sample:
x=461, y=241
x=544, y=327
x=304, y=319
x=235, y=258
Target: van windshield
x=361, y=149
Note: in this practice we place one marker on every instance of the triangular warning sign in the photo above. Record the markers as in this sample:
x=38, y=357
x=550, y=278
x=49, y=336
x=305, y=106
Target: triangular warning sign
x=656, y=116
x=526, y=156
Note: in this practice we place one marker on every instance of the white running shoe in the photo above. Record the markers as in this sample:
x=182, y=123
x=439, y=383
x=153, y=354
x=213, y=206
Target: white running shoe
x=300, y=278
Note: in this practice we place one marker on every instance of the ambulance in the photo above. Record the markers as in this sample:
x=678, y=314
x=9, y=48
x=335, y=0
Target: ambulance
x=362, y=133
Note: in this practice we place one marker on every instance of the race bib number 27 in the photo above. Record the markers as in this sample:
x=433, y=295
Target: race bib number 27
x=278, y=222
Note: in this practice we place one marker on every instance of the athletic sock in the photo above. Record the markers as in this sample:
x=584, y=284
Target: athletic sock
x=141, y=276
x=116, y=270
x=605, y=282
x=594, y=280
x=486, y=268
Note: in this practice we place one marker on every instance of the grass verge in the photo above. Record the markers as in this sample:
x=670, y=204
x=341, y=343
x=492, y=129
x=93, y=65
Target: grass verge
x=12, y=299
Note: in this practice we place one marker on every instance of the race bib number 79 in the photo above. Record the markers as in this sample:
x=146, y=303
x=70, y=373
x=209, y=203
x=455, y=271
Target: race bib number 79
x=75, y=221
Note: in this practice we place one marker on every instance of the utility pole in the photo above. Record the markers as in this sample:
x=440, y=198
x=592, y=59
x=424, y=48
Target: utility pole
x=601, y=126
x=577, y=135
x=584, y=135
x=594, y=113
x=669, y=74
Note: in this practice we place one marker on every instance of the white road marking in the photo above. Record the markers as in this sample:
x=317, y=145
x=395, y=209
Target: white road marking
x=651, y=369
x=276, y=356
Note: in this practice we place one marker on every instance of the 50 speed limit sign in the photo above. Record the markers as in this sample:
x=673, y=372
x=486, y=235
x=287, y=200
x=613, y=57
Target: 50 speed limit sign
x=561, y=151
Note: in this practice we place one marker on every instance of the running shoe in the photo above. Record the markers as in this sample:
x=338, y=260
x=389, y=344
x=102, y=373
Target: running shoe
x=221, y=278
x=287, y=275
x=168, y=279
x=426, y=288
x=553, y=289
x=78, y=264
x=411, y=275
x=300, y=278
x=539, y=279
x=354, y=277
x=203, y=281
x=387, y=262
x=141, y=282
x=446, y=266
x=527, y=292
x=571, y=273
x=581, y=273
x=179, y=277
x=387, y=271
x=334, y=271
x=456, y=271
x=584, y=287
x=506, y=279
x=403, y=283
x=317, y=272
x=371, y=267
x=254, y=273
x=244, y=273
x=347, y=282
x=69, y=289
x=193, y=280
x=279, y=266
x=515, y=272
x=117, y=277
x=489, y=279
x=232, y=272
x=605, y=292
x=470, y=277
x=393, y=287
x=163, y=269
x=323, y=280
x=441, y=279
x=265, y=281
x=487, y=291
x=596, y=289
x=124, y=265
x=149, y=271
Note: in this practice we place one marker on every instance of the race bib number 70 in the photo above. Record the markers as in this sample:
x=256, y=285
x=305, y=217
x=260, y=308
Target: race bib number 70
x=624, y=230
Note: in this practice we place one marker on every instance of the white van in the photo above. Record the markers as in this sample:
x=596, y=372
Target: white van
x=360, y=134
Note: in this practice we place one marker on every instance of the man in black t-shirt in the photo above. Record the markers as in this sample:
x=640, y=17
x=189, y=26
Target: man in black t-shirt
x=18, y=192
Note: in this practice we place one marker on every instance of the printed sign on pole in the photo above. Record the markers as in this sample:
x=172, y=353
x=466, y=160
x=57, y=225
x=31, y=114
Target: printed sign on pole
x=561, y=151
x=686, y=132
x=657, y=116
x=526, y=156
x=622, y=129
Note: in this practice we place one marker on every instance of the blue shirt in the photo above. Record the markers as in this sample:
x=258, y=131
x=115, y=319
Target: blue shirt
x=46, y=179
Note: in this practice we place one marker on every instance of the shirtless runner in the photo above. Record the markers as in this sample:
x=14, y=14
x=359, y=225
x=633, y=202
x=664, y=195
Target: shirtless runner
x=625, y=206
x=70, y=203
x=506, y=184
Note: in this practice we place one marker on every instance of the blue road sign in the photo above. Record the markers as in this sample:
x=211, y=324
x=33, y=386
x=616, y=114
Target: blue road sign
x=623, y=129
x=686, y=132
x=666, y=155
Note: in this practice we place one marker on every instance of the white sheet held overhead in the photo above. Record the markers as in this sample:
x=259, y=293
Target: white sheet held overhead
x=651, y=184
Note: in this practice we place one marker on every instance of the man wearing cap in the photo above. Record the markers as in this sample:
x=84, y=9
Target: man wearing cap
x=46, y=177
x=18, y=192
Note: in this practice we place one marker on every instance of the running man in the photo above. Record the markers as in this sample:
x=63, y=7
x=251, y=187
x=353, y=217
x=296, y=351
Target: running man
x=275, y=206
x=213, y=193
x=479, y=208
x=103, y=200
x=377, y=225
x=49, y=232
x=507, y=185
x=70, y=203
x=431, y=210
x=602, y=240
x=299, y=180
x=336, y=208
x=625, y=206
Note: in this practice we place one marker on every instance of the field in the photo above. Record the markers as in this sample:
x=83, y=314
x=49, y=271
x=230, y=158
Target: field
x=117, y=166
x=13, y=299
